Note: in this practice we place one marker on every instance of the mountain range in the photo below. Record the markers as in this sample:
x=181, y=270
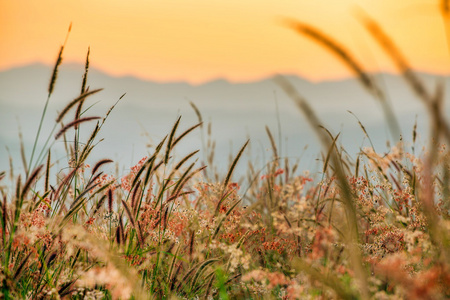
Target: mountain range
x=236, y=112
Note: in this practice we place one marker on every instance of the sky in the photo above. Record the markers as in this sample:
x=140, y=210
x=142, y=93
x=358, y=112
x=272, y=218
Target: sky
x=202, y=40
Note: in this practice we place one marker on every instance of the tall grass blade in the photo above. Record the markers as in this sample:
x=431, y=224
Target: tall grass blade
x=99, y=164
x=349, y=60
x=80, y=98
x=30, y=180
x=83, y=84
x=134, y=223
x=72, y=124
x=272, y=143
x=170, y=141
x=47, y=172
x=197, y=112
x=22, y=152
x=185, y=133
x=233, y=165
x=330, y=150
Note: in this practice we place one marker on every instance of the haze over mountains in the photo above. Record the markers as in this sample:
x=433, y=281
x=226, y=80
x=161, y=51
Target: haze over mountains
x=237, y=111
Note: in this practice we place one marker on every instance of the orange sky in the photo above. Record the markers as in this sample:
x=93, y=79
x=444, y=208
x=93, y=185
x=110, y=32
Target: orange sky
x=200, y=40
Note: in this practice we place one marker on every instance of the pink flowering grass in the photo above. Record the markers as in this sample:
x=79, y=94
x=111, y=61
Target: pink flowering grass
x=374, y=227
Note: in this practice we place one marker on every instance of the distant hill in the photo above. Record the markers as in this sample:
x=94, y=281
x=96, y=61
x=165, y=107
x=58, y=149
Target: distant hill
x=236, y=110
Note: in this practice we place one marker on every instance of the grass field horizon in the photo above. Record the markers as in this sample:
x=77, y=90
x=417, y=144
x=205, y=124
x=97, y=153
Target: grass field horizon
x=175, y=225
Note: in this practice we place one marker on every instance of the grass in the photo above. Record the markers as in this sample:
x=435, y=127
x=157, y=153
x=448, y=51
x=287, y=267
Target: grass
x=374, y=227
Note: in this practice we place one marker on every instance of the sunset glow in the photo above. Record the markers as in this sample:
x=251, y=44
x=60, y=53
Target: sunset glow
x=197, y=41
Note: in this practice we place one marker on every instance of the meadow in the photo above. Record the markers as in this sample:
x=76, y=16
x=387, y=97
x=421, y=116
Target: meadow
x=376, y=226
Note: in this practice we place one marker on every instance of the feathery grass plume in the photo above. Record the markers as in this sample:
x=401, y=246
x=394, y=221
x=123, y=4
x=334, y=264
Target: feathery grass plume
x=446, y=187
x=97, y=206
x=185, y=133
x=112, y=107
x=208, y=287
x=151, y=162
x=110, y=200
x=87, y=148
x=133, y=223
x=58, y=62
x=286, y=169
x=93, y=179
x=242, y=239
x=397, y=57
x=163, y=188
x=164, y=218
x=100, y=163
x=136, y=193
x=47, y=171
x=71, y=104
x=205, y=281
x=63, y=185
x=178, y=195
x=330, y=150
x=357, y=166
x=272, y=143
x=118, y=236
x=185, y=159
x=72, y=124
x=66, y=288
x=445, y=12
x=18, y=187
x=197, y=112
x=137, y=178
x=50, y=91
x=191, y=243
x=120, y=232
x=169, y=142
x=30, y=180
x=83, y=84
x=200, y=270
x=232, y=167
x=19, y=269
x=22, y=151
x=51, y=85
x=310, y=115
x=183, y=181
x=184, y=281
x=340, y=51
x=228, y=177
x=174, y=280
x=349, y=60
x=416, y=84
x=4, y=217
x=172, y=264
x=445, y=8
x=441, y=127
x=11, y=165
x=100, y=190
x=80, y=199
x=363, y=129
x=51, y=258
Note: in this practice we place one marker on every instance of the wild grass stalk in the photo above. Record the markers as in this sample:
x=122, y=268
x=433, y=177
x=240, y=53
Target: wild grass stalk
x=50, y=92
